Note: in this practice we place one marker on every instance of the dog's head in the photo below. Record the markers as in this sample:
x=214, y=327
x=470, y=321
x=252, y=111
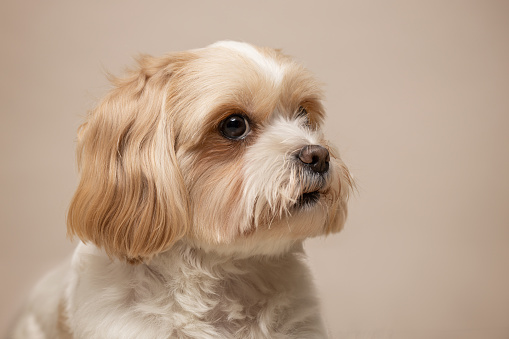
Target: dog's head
x=221, y=147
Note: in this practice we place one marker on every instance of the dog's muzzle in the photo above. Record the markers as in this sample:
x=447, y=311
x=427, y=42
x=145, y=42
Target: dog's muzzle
x=314, y=159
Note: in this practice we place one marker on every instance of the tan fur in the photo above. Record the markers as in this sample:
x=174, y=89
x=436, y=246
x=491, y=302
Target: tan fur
x=131, y=199
x=154, y=168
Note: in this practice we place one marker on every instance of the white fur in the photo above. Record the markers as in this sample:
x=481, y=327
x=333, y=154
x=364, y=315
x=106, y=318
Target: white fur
x=269, y=178
x=188, y=293
x=182, y=293
x=269, y=66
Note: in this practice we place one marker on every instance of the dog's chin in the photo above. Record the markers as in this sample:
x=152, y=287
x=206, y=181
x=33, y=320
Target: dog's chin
x=308, y=217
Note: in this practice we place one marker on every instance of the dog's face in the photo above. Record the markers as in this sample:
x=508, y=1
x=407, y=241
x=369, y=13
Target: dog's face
x=220, y=146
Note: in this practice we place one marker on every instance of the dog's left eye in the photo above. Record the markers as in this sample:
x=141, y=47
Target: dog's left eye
x=235, y=126
x=303, y=113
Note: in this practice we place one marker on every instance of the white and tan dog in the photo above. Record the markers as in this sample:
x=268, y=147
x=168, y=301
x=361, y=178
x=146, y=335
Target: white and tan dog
x=201, y=174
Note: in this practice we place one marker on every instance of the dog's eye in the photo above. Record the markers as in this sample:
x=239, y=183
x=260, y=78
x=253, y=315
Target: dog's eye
x=235, y=126
x=302, y=112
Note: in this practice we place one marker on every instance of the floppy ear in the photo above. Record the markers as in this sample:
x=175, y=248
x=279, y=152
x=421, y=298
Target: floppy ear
x=131, y=199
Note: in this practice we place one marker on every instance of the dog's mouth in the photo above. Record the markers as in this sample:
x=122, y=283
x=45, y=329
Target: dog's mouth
x=308, y=199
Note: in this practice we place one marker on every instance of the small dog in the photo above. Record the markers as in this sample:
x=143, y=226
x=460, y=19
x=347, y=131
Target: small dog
x=202, y=172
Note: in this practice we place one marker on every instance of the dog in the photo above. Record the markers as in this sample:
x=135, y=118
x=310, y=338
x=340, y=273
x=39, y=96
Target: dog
x=202, y=173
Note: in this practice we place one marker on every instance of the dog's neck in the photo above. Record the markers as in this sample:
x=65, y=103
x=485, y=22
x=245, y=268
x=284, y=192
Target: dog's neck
x=231, y=291
x=185, y=261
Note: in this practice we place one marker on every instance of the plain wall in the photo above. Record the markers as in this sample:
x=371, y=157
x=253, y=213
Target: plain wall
x=418, y=105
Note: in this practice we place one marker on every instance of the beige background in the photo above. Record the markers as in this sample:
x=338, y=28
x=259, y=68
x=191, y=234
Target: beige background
x=418, y=102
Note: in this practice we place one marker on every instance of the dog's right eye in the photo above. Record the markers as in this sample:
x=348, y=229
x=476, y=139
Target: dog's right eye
x=302, y=112
x=235, y=127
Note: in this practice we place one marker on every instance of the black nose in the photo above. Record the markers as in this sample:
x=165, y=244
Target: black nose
x=316, y=157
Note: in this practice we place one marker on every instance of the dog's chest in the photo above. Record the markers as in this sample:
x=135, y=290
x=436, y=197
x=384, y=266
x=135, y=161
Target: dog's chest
x=238, y=299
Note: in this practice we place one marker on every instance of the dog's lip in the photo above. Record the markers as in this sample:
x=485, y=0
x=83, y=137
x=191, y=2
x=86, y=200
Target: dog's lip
x=308, y=198
x=311, y=193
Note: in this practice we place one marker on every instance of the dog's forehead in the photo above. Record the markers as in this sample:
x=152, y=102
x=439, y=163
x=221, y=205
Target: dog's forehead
x=266, y=63
x=231, y=77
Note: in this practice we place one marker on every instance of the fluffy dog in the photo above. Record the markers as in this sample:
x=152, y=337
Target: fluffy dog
x=202, y=172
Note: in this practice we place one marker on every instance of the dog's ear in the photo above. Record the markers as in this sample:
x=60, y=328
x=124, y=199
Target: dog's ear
x=131, y=200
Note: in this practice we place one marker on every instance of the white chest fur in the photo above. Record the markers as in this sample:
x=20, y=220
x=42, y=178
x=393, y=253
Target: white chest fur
x=187, y=293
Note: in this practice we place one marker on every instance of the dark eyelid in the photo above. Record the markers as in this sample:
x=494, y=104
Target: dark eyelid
x=302, y=111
